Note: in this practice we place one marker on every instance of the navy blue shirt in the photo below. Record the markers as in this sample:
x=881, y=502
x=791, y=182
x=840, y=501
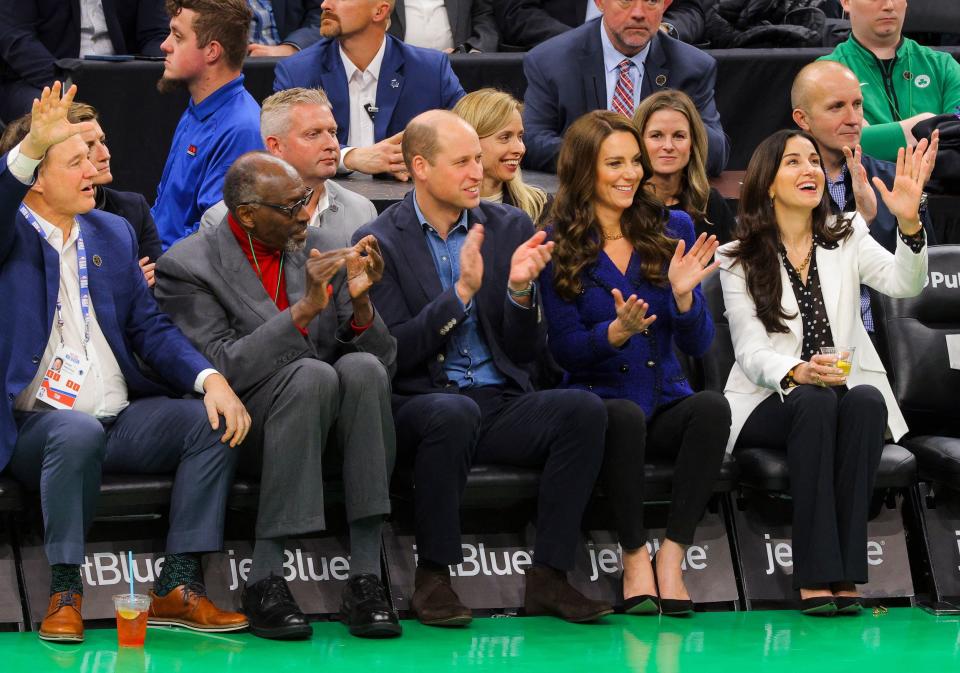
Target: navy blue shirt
x=468, y=361
x=209, y=137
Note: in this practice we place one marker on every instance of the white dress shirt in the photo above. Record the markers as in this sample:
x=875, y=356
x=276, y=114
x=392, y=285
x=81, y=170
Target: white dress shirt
x=362, y=86
x=94, y=38
x=104, y=390
x=427, y=24
x=322, y=204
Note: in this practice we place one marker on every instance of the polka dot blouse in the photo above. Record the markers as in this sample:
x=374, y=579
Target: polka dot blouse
x=813, y=313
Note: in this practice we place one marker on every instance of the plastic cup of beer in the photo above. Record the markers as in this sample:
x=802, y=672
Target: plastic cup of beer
x=131, y=611
x=844, y=355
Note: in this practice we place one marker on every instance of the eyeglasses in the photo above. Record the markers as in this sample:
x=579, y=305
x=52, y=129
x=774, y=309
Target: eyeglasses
x=290, y=211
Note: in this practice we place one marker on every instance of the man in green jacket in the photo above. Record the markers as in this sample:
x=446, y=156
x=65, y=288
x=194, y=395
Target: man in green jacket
x=902, y=82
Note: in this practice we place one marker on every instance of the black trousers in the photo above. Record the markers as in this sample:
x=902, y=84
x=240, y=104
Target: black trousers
x=559, y=430
x=693, y=432
x=833, y=438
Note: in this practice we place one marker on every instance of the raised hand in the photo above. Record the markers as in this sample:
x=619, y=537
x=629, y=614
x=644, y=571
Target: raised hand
x=528, y=261
x=631, y=318
x=913, y=164
x=934, y=147
x=865, y=197
x=471, y=265
x=688, y=270
x=365, y=269
x=320, y=268
x=49, y=124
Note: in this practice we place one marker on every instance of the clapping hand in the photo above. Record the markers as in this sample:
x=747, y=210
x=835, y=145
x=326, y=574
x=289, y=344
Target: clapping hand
x=688, y=270
x=528, y=261
x=631, y=318
x=914, y=166
x=365, y=268
x=49, y=124
x=863, y=194
x=471, y=265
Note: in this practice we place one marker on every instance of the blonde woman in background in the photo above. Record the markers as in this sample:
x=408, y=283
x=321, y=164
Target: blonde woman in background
x=496, y=117
x=674, y=153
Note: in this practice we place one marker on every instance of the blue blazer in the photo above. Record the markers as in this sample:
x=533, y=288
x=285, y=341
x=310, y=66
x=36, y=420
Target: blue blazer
x=421, y=314
x=132, y=207
x=645, y=369
x=126, y=311
x=565, y=80
x=412, y=80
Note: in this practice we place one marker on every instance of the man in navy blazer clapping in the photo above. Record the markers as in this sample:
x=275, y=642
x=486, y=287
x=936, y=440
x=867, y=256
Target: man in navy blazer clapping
x=459, y=295
x=69, y=277
x=375, y=82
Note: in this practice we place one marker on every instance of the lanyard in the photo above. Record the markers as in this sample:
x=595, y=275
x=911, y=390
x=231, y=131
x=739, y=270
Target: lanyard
x=83, y=277
x=276, y=294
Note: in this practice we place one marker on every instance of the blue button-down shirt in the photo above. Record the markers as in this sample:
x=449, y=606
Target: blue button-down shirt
x=468, y=361
x=263, y=26
x=208, y=138
x=611, y=67
x=838, y=192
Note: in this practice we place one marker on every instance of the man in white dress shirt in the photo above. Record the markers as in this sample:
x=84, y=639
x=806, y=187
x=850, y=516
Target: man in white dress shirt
x=75, y=400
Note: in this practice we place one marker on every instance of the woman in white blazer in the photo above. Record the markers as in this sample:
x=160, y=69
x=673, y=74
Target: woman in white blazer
x=791, y=285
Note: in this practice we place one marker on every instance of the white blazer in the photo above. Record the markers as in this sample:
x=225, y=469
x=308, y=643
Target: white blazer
x=763, y=359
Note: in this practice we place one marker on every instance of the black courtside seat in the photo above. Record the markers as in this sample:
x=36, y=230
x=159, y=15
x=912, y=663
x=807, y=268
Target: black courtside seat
x=762, y=468
x=129, y=494
x=914, y=332
x=9, y=495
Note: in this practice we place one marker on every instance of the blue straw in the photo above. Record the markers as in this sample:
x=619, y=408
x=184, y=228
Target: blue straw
x=130, y=566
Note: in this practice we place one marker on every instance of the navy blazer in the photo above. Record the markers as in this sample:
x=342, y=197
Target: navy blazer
x=421, y=314
x=645, y=369
x=132, y=207
x=565, y=80
x=412, y=80
x=126, y=311
x=298, y=21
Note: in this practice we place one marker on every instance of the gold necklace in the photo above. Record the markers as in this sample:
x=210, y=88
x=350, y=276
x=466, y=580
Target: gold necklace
x=806, y=261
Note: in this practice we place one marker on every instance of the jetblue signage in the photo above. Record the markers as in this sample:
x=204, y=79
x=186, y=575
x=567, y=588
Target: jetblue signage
x=315, y=568
x=491, y=576
x=10, y=611
x=767, y=556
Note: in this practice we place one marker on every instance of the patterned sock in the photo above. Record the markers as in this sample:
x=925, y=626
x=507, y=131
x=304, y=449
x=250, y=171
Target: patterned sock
x=267, y=559
x=65, y=577
x=365, y=546
x=178, y=569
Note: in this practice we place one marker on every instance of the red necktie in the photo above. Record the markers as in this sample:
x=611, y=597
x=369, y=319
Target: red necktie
x=623, y=93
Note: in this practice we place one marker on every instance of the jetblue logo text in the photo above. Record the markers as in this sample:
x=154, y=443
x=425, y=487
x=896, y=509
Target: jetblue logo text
x=607, y=560
x=780, y=554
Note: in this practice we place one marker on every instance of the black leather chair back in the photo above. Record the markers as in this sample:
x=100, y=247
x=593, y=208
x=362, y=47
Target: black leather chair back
x=718, y=360
x=915, y=333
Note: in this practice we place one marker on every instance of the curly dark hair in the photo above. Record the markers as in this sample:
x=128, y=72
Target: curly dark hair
x=576, y=230
x=758, y=236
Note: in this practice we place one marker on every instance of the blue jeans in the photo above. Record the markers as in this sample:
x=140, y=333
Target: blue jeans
x=63, y=453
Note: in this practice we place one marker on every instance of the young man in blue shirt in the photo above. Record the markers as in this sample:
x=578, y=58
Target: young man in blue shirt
x=205, y=51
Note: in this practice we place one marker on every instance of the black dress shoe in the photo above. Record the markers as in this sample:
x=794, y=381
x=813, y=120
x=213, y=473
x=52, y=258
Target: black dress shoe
x=644, y=604
x=365, y=610
x=548, y=592
x=848, y=605
x=272, y=611
x=819, y=606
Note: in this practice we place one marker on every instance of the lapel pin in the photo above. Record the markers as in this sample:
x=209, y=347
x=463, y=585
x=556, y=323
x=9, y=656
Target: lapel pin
x=907, y=75
x=661, y=80
x=192, y=150
x=394, y=83
x=97, y=260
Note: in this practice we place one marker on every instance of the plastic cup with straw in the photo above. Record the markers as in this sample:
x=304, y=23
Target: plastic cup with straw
x=131, y=610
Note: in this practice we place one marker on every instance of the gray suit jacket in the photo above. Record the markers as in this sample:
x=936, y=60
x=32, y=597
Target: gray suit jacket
x=347, y=212
x=211, y=292
x=471, y=22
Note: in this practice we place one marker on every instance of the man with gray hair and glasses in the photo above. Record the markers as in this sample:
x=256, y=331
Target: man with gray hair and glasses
x=291, y=322
x=297, y=125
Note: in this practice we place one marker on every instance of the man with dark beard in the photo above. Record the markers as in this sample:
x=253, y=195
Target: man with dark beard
x=204, y=53
x=262, y=297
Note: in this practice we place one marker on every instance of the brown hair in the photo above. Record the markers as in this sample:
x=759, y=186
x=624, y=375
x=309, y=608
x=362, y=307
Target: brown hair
x=694, y=186
x=223, y=21
x=758, y=237
x=575, y=227
x=488, y=111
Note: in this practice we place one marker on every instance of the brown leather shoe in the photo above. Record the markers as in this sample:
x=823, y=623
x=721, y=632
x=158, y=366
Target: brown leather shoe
x=548, y=592
x=435, y=602
x=189, y=607
x=63, y=622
